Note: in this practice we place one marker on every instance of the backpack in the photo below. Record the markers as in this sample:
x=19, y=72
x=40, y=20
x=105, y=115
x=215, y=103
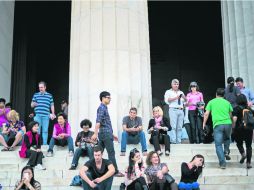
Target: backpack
x=248, y=119
x=76, y=181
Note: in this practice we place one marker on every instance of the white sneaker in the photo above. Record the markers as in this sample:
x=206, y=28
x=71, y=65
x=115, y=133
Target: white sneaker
x=70, y=153
x=49, y=154
x=167, y=153
x=39, y=167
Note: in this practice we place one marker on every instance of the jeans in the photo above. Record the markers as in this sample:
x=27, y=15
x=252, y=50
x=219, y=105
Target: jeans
x=106, y=141
x=142, y=138
x=43, y=126
x=61, y=142
x=79, y=152
x=35, y=158
x=104, y=185
x=222, y=134
x=196, y=132
x=244, y=135
x=176, y=121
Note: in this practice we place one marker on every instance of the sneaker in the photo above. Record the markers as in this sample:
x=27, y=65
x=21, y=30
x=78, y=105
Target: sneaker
x=227, y=157
x=71, y=153
x=223, y=166
x=119, y=174
x=248, y=166
x=122, y=154
x=242, y=158
x=159, y=152
x=167, y=153
x=145, y=153
x=39, y=167
x=73, y=167
x=49, y=154
x=11, y=149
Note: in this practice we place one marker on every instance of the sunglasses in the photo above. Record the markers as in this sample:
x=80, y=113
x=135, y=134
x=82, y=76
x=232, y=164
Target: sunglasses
x=193, y=86
x=134, y=150
x=108, y=97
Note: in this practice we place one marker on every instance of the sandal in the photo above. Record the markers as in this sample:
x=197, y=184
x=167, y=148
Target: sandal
x=5, y=149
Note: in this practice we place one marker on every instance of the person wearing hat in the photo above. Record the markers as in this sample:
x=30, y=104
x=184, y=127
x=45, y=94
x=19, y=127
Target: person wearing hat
x=84, y=143
x=175, y=99
x=193, y=97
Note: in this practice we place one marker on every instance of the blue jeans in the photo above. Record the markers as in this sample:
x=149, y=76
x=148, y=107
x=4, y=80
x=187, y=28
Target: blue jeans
x=222, y=135
x=79, y=152
x=61, y=142
x=43, y=127
x=176, y=121
x=104, y=185
x=142, y=138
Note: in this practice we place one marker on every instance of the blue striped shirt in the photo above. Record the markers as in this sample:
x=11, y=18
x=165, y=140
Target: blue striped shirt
x=44, y=101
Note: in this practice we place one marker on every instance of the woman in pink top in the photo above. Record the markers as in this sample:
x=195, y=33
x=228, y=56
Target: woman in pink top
x=194, y=97
x=3, y=113
x=61, y=135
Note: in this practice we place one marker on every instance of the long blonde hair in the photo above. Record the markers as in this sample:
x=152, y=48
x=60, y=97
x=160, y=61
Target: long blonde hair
x=158, y=108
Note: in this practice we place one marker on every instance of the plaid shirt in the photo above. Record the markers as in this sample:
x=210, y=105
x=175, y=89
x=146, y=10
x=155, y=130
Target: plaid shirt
x=104, y=119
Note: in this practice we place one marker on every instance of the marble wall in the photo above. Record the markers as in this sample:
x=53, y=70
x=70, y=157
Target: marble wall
x=238, y=39
x=109, y=51
x=6, y=39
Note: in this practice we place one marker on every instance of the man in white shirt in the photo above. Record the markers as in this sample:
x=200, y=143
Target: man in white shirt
x=175, y=99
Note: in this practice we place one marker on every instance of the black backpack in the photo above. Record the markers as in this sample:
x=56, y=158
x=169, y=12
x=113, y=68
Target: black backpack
x=248, y=119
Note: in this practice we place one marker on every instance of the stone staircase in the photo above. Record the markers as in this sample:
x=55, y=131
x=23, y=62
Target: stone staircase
x=58, y=177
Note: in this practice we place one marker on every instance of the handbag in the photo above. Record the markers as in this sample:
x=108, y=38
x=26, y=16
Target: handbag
x=169, y=178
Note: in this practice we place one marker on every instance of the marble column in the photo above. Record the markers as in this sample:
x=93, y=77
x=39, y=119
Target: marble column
x=238, y=39
x=109, y=51
x=6, y=40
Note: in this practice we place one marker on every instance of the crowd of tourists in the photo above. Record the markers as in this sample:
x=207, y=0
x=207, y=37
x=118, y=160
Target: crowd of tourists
x=229, y=110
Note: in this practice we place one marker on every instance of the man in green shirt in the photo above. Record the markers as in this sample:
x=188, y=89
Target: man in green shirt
x=221, y=111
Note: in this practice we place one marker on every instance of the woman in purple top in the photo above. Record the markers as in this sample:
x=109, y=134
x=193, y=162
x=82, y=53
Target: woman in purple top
x=3, y=113
x=194, y=98
x=13, y=131
x=61, y=135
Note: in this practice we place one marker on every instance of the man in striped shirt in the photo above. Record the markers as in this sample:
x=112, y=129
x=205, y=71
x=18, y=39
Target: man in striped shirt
x=42, y=103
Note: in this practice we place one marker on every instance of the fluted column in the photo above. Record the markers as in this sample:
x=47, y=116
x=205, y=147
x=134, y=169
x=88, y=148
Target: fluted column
x=109, y=51
x=238, y=39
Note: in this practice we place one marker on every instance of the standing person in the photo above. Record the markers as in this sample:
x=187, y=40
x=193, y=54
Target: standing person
x=193, y=97
x=132, y=126
x=221, y=111
x=97, y=173
x=31, y=147
x=231, y=91
x=64, y=107
x=42, y=103
x=157, y=173
x=3, y=112
x=27, y=180
x=242, y=134
x=246, y=91
x=158, y=127
x=134, y=174
x=175, y=99
x=61, y=135
x=104, y=126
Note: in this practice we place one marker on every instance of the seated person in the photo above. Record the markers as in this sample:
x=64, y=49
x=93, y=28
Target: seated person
x=84, y=143
x=132, y=126
x=27, y=180
x=13, y=131
x=97, y=172
x=157, y=173
x=158, y=127
x=3, y=112
x=61, y=135
x=190, y=172
x=134, y=174
x=31, y=146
